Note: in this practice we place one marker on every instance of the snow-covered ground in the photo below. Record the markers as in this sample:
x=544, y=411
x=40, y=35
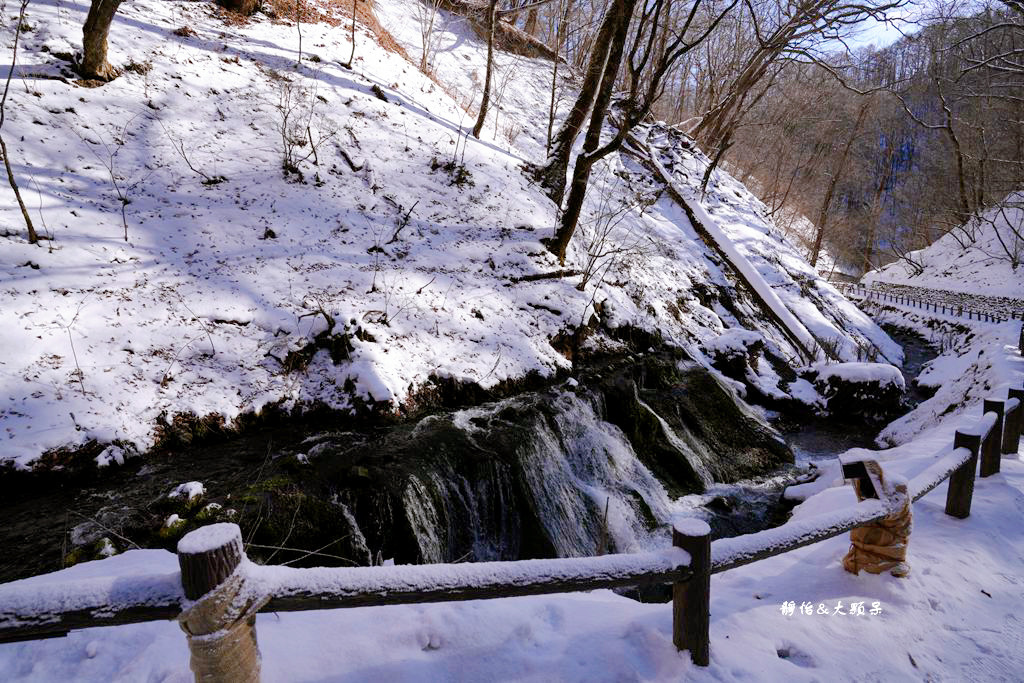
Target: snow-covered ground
x=413, y=257
x=975, y=258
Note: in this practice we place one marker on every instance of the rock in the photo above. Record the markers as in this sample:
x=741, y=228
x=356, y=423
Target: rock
x=707, y=419
x=735, y=353
x=859, y=393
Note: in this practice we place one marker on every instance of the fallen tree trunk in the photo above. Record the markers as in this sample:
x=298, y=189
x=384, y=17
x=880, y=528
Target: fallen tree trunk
x=639, y=151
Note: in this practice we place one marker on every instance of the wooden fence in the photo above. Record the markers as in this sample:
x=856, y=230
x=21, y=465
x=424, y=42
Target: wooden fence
x=914, y=302
x=210, y=560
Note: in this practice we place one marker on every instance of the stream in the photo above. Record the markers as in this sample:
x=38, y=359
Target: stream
x=602, y=466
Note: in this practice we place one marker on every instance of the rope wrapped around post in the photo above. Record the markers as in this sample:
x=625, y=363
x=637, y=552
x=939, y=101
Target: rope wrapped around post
x=220, y=623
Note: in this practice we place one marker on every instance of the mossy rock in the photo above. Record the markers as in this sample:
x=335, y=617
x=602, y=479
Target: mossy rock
x=97, y=550
x=702, y=413
x=173, y=528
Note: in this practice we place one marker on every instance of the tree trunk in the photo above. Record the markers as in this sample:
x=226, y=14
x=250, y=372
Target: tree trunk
x=551, y=175
x=531, y=23
x=876, y=207
x=33, y=237
x=492, y=8
x=819, y=234
x=623, y=12
x=94, y=40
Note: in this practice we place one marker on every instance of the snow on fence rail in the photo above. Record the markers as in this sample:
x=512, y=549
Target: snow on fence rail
x=218, y=591
x=944, y=309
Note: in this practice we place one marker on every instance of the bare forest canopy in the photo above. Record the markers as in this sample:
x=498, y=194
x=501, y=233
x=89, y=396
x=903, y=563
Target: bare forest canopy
x=868, y=153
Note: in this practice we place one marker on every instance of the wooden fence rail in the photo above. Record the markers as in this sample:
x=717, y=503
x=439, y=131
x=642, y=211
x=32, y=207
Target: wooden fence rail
x=213, y=568
x=944, y=309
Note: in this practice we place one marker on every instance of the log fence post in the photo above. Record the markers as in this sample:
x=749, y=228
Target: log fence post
x=961, y=482
x=992, y=444
x=691, y=599
x=219, y=622
x=1014, y=423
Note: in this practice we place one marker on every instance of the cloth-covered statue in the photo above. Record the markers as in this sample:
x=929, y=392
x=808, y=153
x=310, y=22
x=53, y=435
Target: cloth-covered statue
x=882, y=545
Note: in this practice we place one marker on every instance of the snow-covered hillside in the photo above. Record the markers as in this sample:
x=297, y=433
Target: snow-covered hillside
x=392, y=257
x=985, y=256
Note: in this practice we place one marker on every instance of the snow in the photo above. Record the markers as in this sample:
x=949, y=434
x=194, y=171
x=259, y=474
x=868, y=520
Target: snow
x=733, y=552
x=936, y=473
x=982, y=426
x=731, y=342
x=983, y=267
x=197, y=311
x=882, y=373
x=746, y=222
x=938, y=616
x=189, y=315
x=357, y=585
x=750, y=274
x=691, y=526
x=138, y=578
x=804, y=391
x=936, y=623
x=189, y=491
x=112, y=454
x=974, y=365
x=209, y=537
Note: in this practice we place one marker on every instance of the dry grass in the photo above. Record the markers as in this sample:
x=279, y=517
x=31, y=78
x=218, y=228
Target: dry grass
x=331, y=12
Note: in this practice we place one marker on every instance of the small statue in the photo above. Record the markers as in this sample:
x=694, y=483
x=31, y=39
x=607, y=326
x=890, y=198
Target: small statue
x=881, y=545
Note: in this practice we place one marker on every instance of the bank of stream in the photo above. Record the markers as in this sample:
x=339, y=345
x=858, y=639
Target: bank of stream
x=598, y=464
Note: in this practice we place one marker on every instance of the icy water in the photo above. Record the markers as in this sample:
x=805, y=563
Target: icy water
x=818, y=439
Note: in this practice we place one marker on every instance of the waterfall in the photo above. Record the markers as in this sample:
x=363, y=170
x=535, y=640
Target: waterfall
x=455, y=518
x=697, y=455
x=570, y=465
x=584, y=464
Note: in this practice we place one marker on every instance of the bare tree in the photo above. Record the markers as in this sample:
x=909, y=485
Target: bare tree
x=94, y=40
x=33, y=238
x=492, y=18
x=352, y=37
x=650, y=57
x=835, y=174
x=427, y=13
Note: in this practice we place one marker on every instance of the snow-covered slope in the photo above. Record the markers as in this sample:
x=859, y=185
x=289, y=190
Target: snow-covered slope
x=409, y=256
x=975, y=258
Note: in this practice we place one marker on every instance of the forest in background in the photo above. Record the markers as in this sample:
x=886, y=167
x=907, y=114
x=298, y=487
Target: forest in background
x=866, y=152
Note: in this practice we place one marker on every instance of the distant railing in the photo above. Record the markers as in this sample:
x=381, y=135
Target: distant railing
x=216, y=578
x=914, y=302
